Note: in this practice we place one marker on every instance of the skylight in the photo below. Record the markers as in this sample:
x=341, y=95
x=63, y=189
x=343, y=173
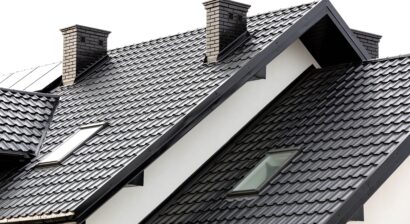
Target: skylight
x=71, y=144
x=263, y=172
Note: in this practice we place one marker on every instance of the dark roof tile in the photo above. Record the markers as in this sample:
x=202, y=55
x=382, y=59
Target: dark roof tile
x=143, y=91
x=346, y=121
x=24, y=119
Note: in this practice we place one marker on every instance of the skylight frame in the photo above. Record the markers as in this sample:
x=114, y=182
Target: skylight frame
x=254, y=192
x=45, y=160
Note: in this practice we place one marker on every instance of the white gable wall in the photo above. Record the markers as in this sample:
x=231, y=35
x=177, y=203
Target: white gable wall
x=391, y=202
x=162, y=177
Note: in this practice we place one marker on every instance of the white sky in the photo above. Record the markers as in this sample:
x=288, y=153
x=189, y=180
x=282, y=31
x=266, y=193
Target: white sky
x=30, y=33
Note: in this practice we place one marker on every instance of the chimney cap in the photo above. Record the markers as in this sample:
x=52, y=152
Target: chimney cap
x=80, y=27
x=210, y=3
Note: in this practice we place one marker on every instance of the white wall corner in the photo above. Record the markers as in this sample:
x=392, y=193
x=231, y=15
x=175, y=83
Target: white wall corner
x=391, y=202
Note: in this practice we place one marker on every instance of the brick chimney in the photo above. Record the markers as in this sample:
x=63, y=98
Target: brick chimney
x=82, y=46
x=226, y=21
x=370, y=42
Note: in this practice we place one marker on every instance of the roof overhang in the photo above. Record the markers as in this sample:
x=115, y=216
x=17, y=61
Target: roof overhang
x=322, y=10
x=306, y=24
x=317, y=30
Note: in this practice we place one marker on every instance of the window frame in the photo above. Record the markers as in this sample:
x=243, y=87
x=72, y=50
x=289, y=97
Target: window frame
x=43, y=161
x=254, y=192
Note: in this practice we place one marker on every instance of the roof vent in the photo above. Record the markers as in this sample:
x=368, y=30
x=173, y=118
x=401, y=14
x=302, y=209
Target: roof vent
x=82, y=46
x=226, y=24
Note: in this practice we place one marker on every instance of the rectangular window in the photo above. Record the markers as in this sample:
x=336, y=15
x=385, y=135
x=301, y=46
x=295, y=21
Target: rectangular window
x=71, y=144
x=263, y=172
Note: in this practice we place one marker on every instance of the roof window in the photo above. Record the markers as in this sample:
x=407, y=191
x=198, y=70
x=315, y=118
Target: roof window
x=270, y=165
x=72, y=143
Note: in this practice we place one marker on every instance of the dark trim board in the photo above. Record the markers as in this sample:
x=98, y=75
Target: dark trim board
x=372, y=184
x=346, y=31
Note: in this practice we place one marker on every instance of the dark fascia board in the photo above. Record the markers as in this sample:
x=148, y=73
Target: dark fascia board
x=372, y=184
x=347, y=32
x=245, y=74
x=322, y=9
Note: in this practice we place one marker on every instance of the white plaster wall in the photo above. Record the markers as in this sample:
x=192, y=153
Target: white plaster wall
x=391, y=202
x=170, y=170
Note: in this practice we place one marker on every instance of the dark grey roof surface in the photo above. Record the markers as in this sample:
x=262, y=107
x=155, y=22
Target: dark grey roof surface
x=33, y=79
x=144, y=92
x=347, y=123
x=24, y=119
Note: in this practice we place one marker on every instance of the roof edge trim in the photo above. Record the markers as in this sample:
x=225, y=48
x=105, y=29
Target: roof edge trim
x=371, y=184
x=31, y=93
x=402, y=56
x=346, y=31
x=204, y=107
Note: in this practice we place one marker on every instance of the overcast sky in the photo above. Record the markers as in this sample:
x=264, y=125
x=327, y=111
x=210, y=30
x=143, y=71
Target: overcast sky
x=30, y=33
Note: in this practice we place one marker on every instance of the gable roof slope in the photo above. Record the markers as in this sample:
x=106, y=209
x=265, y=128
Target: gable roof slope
x=24, y=120
x=150, y=94
x=350, y=124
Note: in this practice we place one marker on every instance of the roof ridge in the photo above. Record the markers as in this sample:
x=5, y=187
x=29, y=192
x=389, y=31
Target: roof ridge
x=290, y=7
x=30, y=93
x=161, y=39
x=400, y=56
